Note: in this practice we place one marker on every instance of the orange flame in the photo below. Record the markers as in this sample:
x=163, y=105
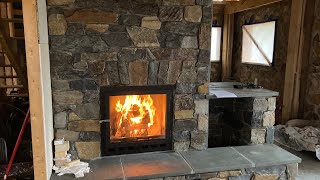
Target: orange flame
x=135, y=108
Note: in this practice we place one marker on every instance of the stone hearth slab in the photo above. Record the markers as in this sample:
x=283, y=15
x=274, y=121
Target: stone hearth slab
x=216, y=159
x=267, y=155
x=104, y=168
x=154, y=165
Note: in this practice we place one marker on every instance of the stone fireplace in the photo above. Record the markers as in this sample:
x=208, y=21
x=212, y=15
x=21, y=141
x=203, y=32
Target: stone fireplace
x=98, y=45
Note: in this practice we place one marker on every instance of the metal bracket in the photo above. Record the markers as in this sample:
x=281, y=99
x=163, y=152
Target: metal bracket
x=104, y=120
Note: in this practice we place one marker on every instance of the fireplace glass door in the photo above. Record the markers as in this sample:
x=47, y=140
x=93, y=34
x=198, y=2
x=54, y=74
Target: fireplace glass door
x=134, y=117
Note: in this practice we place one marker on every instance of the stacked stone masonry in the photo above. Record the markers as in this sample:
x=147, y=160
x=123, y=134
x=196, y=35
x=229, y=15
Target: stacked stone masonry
x=289, y=171
x=241, y=121
x=95, y=43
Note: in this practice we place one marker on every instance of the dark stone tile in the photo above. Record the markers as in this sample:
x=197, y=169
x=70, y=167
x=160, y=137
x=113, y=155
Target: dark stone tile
x=216, y=159
x=267, y=155
x=154, y=165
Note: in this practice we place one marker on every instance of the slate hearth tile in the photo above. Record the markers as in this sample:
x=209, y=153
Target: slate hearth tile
x=215, y=159
x=154, y=165
x=267, y=155
x=104, y=168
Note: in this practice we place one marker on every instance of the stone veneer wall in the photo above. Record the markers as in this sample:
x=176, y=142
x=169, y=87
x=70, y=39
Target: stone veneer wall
x=268, y=77
x=96, y=43
x=312, y=97
x=241, y=121
x=283, y=172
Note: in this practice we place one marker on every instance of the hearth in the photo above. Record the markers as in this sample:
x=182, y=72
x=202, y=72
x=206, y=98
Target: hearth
x=136, y=119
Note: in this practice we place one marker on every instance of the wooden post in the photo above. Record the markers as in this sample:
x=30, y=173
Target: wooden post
x=290, y=106
x=227, y=44
x=37, y=55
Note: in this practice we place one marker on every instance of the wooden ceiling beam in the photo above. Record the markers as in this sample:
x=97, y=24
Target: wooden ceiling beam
x=244, y=5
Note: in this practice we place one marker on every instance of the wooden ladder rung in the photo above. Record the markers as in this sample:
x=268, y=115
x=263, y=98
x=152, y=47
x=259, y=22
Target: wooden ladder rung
x=17, y=38
x=9, y=77
x=16, y=20
x=18, y=95
x=11, y=86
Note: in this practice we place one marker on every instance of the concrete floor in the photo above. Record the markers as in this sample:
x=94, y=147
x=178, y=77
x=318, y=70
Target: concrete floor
x=309, y=169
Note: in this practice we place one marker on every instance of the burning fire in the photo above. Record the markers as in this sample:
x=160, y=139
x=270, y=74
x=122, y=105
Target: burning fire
x=136, y=110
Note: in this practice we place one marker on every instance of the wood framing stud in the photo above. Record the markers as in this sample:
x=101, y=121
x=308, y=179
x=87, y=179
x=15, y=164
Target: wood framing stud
x=244, y=5
x=227, y=44
x=291, y=92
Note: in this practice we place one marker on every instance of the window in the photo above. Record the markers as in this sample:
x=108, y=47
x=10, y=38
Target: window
x=258, y=43
x=215, y=44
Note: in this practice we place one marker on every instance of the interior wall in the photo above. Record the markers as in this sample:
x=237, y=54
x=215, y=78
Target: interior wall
x=268, y=77
x=312, y=97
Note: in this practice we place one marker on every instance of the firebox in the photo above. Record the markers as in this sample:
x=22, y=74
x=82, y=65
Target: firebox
x=136, y=119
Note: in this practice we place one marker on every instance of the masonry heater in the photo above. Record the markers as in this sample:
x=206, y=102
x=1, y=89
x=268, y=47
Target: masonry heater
x=136, y=119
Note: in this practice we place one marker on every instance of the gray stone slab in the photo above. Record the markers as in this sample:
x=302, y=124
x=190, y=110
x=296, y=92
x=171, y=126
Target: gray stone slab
x=216, y=159
x=267, y=155
x=240, y=93
x=104, y=168
x=154, y=165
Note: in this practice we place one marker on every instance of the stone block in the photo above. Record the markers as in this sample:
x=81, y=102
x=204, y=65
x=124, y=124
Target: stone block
x=130, y=20
x=189, y=42
x=113, y=73
x=204, y=36
x=181, y=136
x=269, y=118
x=203, y=75
x=96, y=28
x=83, y=85
x=88, y=150
x=203, y=89
x=170, y=13
x=225, y=174
x=174, y=72
x=67, y=97
x=182, y=28
x=73, y=117
x=123, y=72
x=84, y=125
x=151, y=22
x=258, y=136
x=187, y=77
x=88, y=110
x=270, y=135
x=203, y=123
x=265, y=177
x=207, y=15
x=60, y=120
x=75, y=29
x=138, y=72
x=181, y=146
x=143, y=37
x=93, y=16
x=163, y=72
x=153, y=73
x=217, y=178
x=67, y=135
x=60, y=85
x=57, y=24
x=89, y=136
x=193, y=13
x=185, y=125
x=292, y=171
x=272, y=102
x=60, y=2
x=185, y=88
x=184, y=114
x=202, y=106
x=260, y=104
x=117, y=39
x=243, y=177
x=199, y=140
x=178, y=2
x=183, y=102
x=173, y=40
